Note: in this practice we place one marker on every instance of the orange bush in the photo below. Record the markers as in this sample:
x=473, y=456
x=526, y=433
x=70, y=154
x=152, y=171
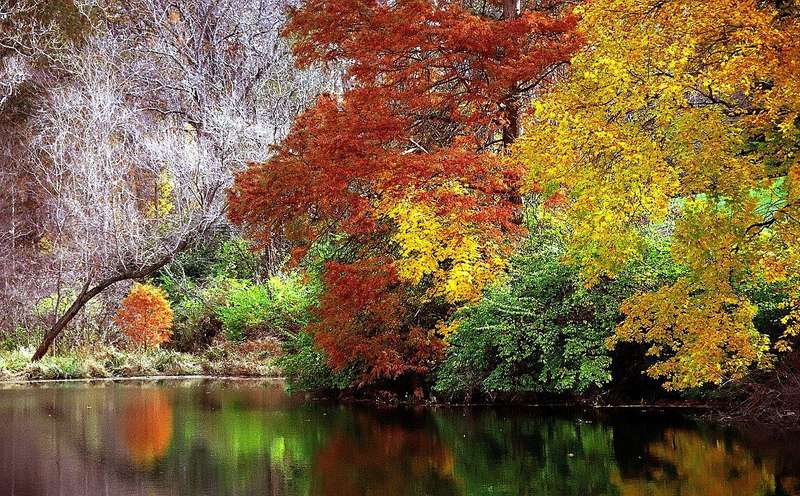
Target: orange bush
x=145, y=315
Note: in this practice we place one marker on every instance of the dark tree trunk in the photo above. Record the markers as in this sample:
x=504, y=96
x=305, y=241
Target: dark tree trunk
x=512, y=128
x=87, y=293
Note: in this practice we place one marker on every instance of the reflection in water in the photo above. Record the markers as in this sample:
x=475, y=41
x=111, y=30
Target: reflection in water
x=147, y=426
x=684, y=462
x=218, y=438
x=386, y=456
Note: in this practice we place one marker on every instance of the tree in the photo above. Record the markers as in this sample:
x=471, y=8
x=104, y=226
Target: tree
x=145, y=315
x=543, y=330
x=405, y=166
x=33, y=36
x=683, y=115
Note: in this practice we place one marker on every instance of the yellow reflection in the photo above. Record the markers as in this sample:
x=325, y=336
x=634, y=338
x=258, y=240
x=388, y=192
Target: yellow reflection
x=691, y=464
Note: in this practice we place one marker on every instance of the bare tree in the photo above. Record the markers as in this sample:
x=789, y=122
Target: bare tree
x=136, y=138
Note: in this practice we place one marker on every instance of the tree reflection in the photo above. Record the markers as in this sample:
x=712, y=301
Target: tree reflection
x=208, y=439
x=383, y=455
x=686, y=462
x=147, y=427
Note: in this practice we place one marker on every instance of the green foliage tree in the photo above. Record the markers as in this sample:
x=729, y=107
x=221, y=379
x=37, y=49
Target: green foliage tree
x=306, y=367
x=543, y=330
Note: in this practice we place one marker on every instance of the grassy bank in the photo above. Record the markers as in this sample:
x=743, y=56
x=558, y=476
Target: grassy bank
x=245, y=360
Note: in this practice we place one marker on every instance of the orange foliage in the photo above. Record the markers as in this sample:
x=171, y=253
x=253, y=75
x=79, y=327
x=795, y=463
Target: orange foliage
x=364, y=322
x=145, y=315
x=387, y=458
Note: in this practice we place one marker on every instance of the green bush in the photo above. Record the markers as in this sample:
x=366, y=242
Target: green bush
x=247, y=307
x=56, y=367
x=235, y=258
x=542, y=331
x=195, y=321
x=14, y=361
x=194, y=270
x=281, y=306
x=306, y=367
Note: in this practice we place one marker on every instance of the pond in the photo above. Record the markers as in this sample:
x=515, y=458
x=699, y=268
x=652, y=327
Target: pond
x=207, y=437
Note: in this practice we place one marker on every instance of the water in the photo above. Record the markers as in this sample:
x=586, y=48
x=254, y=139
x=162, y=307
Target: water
x=249, y=437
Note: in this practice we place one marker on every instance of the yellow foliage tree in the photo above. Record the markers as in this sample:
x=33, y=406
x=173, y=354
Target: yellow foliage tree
x=684, y=114
x=162, y=204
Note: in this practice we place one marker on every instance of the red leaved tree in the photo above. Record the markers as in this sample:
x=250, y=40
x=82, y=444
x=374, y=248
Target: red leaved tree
x=406, y=164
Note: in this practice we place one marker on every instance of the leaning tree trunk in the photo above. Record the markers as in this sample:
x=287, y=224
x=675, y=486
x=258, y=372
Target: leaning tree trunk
x=87, y=293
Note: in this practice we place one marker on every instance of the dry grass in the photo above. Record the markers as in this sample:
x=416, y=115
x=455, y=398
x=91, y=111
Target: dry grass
x=250, y=359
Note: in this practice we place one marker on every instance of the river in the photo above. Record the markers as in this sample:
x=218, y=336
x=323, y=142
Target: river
x=212, y=437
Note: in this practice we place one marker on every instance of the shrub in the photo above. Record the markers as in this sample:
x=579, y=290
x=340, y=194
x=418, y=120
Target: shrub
x=145, y=315
x=195, y=323
x=170, y=362
x=248, y=306
x=281, y=307
x=14, y=361
x=234, y=258
x=542, y=331
x=226, y=258
x=56, y=367
x=306, y=367
x=292, y=301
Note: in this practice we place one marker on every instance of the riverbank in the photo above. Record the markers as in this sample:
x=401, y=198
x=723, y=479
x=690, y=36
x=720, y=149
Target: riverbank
x=224, y=360
x=143, y=379
x=725, y=413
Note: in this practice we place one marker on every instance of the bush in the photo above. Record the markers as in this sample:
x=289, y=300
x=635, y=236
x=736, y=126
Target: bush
x=195, y=323
x=247, y=308
x=235, y=258
x=65, y=367
x=306, y=368
x=281, y=306
x=225, y=259
x=542, y=331
x=14, y=361
x=145, y=315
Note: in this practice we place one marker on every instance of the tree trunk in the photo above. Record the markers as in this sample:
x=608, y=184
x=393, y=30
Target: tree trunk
x=511, y=9
x=86, y=295
x=512, y=128
x=83, y=298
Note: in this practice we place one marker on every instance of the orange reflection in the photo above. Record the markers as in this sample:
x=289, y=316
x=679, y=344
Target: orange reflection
x=692, y=464
x=791, y=485
x=147, y=425
x=382, y=459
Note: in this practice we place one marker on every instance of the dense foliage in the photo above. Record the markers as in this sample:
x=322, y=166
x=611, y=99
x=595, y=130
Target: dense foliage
x=543, y=331
x=404, y=165
x=474, y=198
x=688, y=107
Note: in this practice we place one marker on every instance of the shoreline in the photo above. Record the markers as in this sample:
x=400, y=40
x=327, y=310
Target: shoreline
x=577, y=403
x=711, y=411
x=143, y=378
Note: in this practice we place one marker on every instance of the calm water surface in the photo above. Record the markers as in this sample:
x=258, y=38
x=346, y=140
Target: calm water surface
x=250, y=438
